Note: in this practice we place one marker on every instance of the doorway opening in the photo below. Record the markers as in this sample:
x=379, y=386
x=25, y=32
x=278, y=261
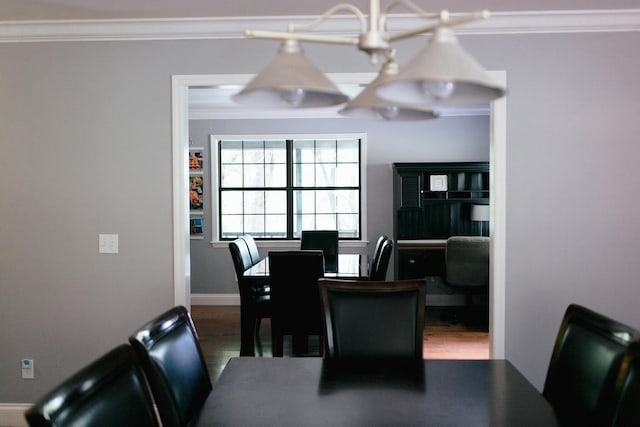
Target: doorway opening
x=181, y=236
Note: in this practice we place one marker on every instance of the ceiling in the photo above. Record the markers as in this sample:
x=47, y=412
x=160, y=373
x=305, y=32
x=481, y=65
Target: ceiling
x=216, y=102
x=12, y=10
x=139, y=9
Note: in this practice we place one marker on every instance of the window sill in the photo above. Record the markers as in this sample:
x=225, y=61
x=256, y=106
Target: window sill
x=289, y=244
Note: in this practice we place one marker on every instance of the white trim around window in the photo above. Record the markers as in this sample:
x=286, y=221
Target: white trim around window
x=215, y=203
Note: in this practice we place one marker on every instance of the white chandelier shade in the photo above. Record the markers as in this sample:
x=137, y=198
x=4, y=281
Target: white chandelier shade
x=369, y=105
x=442, y=74
x=290, y=80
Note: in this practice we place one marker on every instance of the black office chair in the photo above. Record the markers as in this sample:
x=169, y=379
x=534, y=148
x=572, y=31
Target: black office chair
x=380, y=263
x=255, y=299
x=174, y=365
x=324, y=240
x=588, y=348
x=294, y=297
x=365, y=319
x=467, y=271
x=619, y=408
x=467, y=264
x=111, y=391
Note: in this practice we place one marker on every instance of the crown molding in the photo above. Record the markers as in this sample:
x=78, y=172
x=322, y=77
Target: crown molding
x=573, y=21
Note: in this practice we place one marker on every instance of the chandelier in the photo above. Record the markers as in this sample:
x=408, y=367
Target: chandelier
x=441, y=75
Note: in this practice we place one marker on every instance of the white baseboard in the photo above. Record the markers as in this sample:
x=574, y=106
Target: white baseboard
x=12, y=414
x=215, y=299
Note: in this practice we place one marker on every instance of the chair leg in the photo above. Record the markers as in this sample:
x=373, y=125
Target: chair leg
x=277, y=344
x=247, y=331
x=258, y=326
x=257, y=348
x=300, y=344
x=468, y=300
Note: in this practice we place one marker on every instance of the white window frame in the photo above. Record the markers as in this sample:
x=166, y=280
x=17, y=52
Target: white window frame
x=214, y=190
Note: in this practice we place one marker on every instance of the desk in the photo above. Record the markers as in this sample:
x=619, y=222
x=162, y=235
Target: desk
x=420, y=258
x=350, y=266
x=321, y=392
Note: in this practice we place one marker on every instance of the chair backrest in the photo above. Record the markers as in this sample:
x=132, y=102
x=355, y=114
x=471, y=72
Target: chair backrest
x=467, y=261
x=620, y=408
x=589, y=346
x=365, y=319
x=380, y=264
x=293, y=276
x=241, y=261
x=378, y=247
x=240, y=255
x=253, y=248
x=324, y=240
x=111, y=391
x=175, y=367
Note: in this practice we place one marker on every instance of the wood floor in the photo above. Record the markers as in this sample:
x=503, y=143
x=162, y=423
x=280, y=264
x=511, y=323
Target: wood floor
x=219, y=331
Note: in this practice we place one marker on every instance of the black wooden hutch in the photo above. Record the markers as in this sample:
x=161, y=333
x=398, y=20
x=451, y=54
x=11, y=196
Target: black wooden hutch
x=431, y=202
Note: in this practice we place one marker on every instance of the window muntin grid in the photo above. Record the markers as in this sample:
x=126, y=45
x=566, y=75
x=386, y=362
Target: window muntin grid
x=275, y=188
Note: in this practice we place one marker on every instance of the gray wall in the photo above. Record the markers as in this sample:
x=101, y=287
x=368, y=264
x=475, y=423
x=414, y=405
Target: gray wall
x=85, y=149
x=446, y=139
x=572, y=152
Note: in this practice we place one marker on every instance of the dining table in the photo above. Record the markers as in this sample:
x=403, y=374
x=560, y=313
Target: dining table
x=348, y=266
x=313, y=391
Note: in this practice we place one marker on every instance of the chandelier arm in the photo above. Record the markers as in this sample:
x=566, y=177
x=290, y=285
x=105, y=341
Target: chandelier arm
x=413, y=7
x=483, y=14
x=343, y=6
x=316, y=38
x=476, y=16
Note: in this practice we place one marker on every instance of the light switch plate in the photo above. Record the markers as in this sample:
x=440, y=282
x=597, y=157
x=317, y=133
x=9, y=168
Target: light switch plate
x=108, y=243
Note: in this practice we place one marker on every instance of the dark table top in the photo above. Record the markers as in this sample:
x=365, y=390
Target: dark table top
x=320, y=392
x=350, y=266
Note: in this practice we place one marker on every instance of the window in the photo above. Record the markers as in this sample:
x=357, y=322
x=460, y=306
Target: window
x=274, y=187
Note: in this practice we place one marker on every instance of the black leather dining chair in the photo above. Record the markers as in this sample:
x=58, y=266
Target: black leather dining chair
x=378, y=246
x=588, y=349
x=111, y=391
x=173, y=362
x=620, y=408
x=365, y=319
x=294, y=297
x=324, y=240
x=382, y=255
x=255, y=298
x=254, y=253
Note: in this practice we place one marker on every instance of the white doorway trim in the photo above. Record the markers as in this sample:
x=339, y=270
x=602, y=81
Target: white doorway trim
x=180, y=146
x=498, y=222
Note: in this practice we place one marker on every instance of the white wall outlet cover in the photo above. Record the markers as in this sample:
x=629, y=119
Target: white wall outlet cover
x=27, y=368
x=108, y=243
